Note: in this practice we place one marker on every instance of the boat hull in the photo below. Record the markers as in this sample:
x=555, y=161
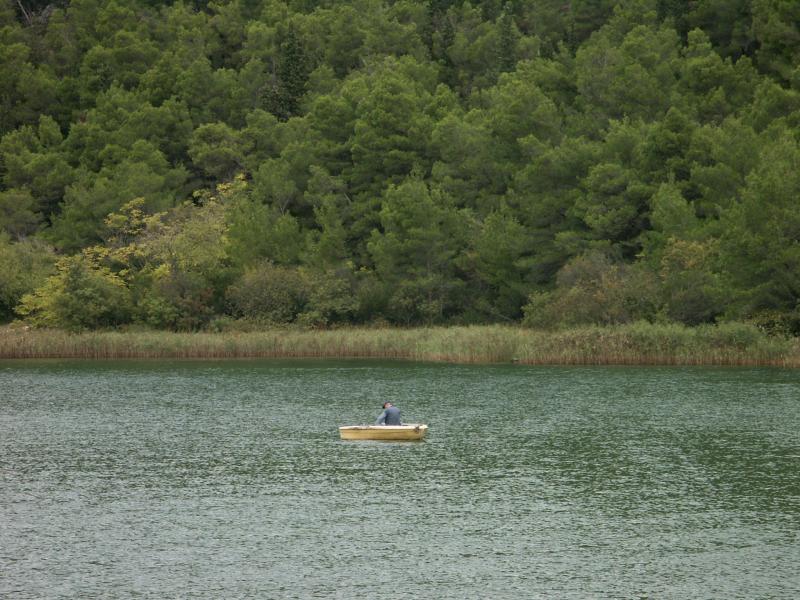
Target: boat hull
x=395, y=433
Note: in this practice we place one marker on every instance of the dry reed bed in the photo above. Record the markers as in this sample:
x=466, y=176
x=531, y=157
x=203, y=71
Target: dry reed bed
x=637, y=344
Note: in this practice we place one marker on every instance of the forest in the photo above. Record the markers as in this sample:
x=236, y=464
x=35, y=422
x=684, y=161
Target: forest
x=217, y=164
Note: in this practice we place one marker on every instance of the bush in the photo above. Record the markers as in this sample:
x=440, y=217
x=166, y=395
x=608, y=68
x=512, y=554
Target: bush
x=692, y=292
x=732, y=335
x=331, y=299
x=24, y=266
x=177, y=300
x=591, y=289
x=777, y=323
x=269, y=293
x=81, y=295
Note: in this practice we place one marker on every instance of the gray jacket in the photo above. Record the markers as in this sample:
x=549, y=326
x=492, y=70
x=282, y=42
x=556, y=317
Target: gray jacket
x=389, y=416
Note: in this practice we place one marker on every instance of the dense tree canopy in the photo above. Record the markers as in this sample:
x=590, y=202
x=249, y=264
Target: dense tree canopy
x=186, y=164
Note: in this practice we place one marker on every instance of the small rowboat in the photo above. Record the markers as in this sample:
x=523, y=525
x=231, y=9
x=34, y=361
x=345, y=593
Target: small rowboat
x=397, y=433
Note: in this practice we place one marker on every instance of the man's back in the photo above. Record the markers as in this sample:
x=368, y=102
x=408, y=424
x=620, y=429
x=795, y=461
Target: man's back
x=389, y=416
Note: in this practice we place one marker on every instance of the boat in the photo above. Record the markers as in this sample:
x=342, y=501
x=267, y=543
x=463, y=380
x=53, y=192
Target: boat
x=396, y=433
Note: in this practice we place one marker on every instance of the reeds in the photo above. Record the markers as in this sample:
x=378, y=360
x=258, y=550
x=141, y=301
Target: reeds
x=635, y=344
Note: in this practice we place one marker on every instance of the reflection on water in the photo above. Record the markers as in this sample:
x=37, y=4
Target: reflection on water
x=208, y=480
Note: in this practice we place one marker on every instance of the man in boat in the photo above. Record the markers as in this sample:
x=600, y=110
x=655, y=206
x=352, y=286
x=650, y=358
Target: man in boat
x=389, y=416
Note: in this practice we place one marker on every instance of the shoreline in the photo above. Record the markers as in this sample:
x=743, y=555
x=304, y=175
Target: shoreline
x=731, y=344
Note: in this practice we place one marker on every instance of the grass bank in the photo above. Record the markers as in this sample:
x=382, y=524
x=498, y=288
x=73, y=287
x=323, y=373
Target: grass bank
x=636, y=344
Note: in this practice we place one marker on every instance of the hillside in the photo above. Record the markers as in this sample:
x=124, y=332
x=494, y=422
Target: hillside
x=555, y=163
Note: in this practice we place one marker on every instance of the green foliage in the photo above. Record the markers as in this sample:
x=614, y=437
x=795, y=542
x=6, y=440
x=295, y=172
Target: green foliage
x=468, y=166
x=593, y=289
x=81, y=295
x=17, y=213
x=692, y=292
x=776, y=25
x=502, y=252
x=327, y=246
x=24, y=266
x=722, y=159
x=331, y=298
x=614, y=200
x=35, y=162
x=27, y=89
x=521, y=116
x=217, y=150
x=760, y=254
x=175, y=299
x=728, y=23
x=416, y=162
x=390, y=135
x=671, y=214
x=141, y=173
x=257, y=231
x=716, y=87
x=293, y=70
x=120, y=122
x=421, y=234
x=633, y=78
x=269, y=293
x=189, y=239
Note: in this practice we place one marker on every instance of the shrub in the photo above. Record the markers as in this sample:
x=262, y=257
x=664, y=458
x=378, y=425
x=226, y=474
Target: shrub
x=331, y=299
x=177, y=300
x=591, y=289
x=269, y=293
x=692, y=292
x=732, y=335
x=81, y=295
x=776, y=322
x=24, y=266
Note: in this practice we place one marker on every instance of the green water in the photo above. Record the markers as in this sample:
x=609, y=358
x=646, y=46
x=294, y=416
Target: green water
x=228, y=480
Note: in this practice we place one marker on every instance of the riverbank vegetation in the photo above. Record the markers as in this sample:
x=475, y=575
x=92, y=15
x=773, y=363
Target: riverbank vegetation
x=634, y=344
x=361, y=163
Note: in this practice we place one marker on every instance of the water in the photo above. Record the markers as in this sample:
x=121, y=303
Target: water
x=227, y=479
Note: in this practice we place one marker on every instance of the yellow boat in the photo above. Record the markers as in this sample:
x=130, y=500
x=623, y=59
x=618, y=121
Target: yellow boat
x=396, y=433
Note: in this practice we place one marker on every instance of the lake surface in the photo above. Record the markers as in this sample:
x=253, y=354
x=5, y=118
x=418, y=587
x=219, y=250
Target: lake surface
x=228, y=480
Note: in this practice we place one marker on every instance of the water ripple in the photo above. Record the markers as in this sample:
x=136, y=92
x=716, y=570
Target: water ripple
x=207, y=480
